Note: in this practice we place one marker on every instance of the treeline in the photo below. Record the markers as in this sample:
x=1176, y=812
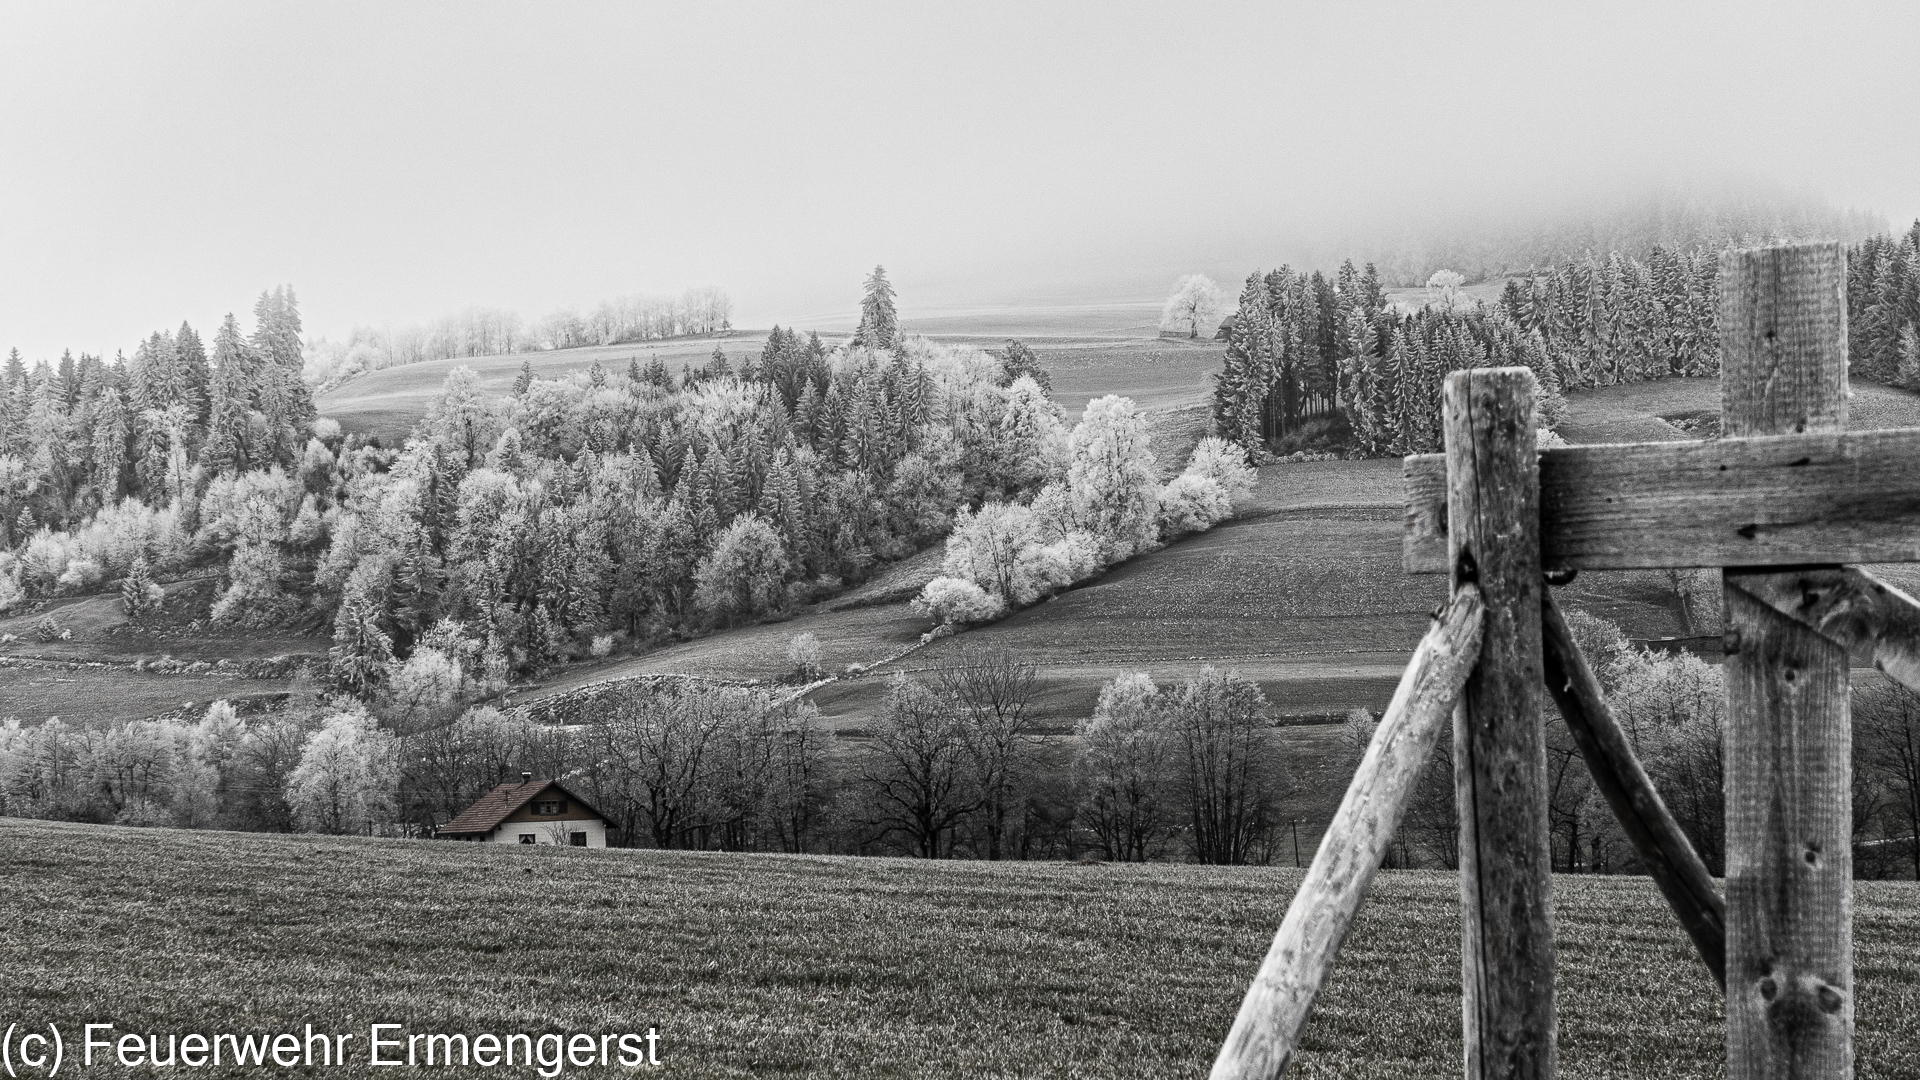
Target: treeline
x=954, y=765
x=1304, y=352
x=1303, y=349
x=1883, y=308
x=1307, y=358
x=1512, y=243
x=495, y=331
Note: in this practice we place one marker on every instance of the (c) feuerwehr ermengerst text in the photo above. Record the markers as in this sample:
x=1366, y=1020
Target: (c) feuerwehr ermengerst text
x=43, y=1050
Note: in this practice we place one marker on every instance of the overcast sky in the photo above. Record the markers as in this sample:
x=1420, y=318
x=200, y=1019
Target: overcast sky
x=398, y=161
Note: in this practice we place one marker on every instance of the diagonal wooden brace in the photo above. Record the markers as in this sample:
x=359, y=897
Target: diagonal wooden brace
x=1847, y=606
x=1657, y=838
x=1276, y=1007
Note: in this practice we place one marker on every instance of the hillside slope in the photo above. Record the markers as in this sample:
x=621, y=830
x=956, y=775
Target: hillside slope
x=749, y=964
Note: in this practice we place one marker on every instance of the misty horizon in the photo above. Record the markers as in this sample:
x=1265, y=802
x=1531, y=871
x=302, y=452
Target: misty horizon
x=395, y=167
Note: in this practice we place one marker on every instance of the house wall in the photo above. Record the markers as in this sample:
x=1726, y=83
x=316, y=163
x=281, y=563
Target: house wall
x=550, y=830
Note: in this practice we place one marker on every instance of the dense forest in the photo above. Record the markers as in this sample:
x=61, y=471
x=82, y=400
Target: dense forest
x=1483, y=247
x=1305, y=354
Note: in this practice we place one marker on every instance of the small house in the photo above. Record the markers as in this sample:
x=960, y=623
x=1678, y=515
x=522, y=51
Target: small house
x=529, y=812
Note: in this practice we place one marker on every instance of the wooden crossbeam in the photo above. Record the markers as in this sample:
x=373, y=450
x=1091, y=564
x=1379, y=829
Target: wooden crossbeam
x=1670, y=859
x=1267, y=1029
x=1848, y=606
x=1783, y=500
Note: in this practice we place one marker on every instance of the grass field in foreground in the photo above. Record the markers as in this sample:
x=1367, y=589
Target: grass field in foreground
x=752, y=965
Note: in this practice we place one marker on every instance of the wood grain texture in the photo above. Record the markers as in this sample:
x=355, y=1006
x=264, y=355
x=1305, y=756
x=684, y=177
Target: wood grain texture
x=1850, y=607
x=1789, y=885
x=1764, y=501
x=1663, y=847
x=1267, y=1030
x=1500, y=770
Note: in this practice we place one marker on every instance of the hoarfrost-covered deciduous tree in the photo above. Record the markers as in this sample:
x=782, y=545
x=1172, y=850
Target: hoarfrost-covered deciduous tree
x=346, y=776
x=1112, y=491
x=745, y=572
x=1194, y=307
x=1123, y=770
x=803, y=652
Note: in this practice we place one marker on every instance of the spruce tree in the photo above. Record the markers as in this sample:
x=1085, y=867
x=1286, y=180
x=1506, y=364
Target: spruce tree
x=1021, y=360
x=879, y=324
x=230, y=392
x=525, y=378
x=196, y=371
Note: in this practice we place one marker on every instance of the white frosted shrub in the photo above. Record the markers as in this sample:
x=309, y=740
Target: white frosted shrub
x=803, y=652
x=1191, y=504
x=957, y=600
x=1223, y=462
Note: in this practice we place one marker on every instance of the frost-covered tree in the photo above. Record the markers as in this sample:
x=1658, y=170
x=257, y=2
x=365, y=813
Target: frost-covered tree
x=879, y=323
x=803, y=652
x=1194, y=307
x=422, y=688
x=346, y=777
x=948, y=599
x=1443, y=287
x=1022, y=361
x=1203, y=495
x=1112, y=490
x=1000, y=549
x=1123, y=770
x=744, y=574
x=140, y=595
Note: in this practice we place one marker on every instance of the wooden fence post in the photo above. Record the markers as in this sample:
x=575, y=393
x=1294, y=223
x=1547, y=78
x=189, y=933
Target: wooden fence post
x=1783, y=341
x=1500, y=765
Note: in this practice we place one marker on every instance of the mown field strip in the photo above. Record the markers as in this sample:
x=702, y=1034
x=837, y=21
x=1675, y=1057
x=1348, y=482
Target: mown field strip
x=834, y=966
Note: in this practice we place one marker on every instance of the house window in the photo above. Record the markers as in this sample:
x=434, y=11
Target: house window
x=550, y=807
x=528, y=838
x=577, y=839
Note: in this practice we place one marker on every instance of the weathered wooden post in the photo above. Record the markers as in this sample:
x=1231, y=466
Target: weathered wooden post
x=1783, y=340
x=1500, y=765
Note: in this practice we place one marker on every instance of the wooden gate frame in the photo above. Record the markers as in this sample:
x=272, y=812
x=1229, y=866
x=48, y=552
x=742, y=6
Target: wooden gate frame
x=1780, y=503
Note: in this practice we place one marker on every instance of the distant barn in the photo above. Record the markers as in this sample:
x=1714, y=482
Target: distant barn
x=529, y=812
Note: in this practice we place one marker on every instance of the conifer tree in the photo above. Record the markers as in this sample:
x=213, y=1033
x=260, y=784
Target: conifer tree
x=361, y=648
x=879, y=324
x=1021, y=360
x=196, y=371
x=524, y=379
x=230, y=393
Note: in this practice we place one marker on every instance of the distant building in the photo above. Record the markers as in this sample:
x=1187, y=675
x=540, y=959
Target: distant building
x=529, y=812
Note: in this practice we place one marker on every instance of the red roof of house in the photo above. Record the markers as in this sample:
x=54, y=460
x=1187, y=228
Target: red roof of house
x=497, y=805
